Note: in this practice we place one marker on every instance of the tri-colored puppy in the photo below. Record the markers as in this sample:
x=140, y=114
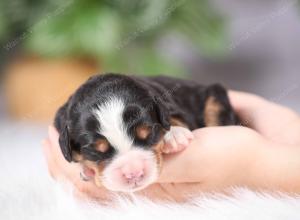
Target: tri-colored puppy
x=117, y=127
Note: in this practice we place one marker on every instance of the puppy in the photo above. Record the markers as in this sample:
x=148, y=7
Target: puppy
x=117, y=127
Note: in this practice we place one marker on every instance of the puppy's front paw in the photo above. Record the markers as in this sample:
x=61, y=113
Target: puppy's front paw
x=177, y=139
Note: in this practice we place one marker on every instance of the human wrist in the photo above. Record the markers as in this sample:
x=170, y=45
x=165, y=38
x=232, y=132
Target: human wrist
x=276, y=168
x=250, y=169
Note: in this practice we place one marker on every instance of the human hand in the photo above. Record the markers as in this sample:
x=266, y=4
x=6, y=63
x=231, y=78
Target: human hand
x=204, y=156
x=60, y=169
x=218, y=157
x=64, y=171
x=263, y=157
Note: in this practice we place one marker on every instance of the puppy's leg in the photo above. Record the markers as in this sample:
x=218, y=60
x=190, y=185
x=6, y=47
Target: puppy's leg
x=178, y=138
x=217, y=108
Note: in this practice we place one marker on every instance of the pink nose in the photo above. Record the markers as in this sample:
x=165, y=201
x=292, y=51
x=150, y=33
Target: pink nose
x=134, y=177
x=132, y=174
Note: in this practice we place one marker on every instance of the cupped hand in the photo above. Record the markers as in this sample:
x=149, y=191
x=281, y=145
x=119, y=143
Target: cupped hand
x=243, y=156
x=61, y=170
x=217, y=158
x=205, y=165
x=64, y=171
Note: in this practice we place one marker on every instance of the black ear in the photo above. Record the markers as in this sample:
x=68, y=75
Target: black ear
x=60, y=123
x=162, y=113
x=64, y=142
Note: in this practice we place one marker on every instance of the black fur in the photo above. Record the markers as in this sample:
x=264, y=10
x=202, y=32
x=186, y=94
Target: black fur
x=152, y=101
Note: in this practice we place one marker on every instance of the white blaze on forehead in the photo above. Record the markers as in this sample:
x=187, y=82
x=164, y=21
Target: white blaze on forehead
x=112, y=125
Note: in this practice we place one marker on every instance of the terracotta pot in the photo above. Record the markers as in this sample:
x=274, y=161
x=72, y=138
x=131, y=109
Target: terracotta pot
x=36, y=87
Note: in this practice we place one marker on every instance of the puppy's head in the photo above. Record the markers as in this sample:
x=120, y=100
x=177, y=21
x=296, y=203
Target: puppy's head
x=116, y=133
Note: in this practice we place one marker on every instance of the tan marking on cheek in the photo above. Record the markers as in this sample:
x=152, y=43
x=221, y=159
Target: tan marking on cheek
x=143, y=131
x=101, y=145
x=178, y=122
x=98, y=175
x=158, y=155
x=212, y=112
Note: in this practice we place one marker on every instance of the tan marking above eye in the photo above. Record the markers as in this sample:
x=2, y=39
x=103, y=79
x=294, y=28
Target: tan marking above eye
x=102, y=145
x=143, y=131
x=158, y=154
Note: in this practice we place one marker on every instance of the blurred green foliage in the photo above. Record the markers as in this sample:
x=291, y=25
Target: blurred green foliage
x=121, y=35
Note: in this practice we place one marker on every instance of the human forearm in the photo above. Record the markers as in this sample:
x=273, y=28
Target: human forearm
x=247, y=159
x=277, y=167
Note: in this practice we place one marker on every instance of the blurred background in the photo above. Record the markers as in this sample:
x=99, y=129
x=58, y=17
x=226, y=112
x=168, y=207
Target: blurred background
x=49, y=47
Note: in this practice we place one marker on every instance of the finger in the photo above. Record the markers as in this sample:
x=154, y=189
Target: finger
x=52, y=166
x=245, y=101
x=57, y=164
x=53, y=135
x=246, y=106
x=55, y=148
x=83, y=189
x=67, y=172
x=61, y=170
x=258, y=112
x=59, y=167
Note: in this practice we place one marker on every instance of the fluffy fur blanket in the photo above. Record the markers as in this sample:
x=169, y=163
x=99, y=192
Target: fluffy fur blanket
x=27, y=192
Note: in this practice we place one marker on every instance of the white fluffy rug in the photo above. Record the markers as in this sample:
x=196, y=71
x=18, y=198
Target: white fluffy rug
x=27, y=192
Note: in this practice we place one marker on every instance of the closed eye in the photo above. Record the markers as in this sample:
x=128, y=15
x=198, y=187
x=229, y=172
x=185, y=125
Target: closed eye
x=89, y=152
x=143, y=131
x=152, y=138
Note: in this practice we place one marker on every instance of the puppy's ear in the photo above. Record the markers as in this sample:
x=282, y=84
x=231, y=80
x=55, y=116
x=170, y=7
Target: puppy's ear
x=64, y=142
x=162, y=113
x=60, y=123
